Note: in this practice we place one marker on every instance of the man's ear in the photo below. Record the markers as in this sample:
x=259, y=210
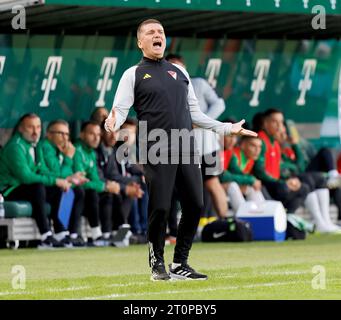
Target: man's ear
x=139, y=44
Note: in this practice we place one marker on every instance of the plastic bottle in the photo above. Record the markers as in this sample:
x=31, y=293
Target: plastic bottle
x=2, y=207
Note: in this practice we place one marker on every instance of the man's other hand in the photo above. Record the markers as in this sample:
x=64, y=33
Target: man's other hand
x=110, y=122
x=238, y=130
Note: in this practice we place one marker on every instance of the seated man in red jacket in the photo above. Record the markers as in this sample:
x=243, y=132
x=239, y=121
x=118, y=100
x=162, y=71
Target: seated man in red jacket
x=291, y=192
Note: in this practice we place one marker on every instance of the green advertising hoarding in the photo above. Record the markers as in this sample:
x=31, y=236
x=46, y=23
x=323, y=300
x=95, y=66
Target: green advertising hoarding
x=271, y=6
x=68, y=76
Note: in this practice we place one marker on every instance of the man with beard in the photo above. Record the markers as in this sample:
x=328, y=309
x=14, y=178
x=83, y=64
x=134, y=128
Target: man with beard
x=21, y=177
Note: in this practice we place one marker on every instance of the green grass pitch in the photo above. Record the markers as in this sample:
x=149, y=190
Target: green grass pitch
x=256, y=270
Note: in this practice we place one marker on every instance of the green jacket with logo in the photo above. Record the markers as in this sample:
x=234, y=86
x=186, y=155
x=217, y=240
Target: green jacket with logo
x=57, y=164
x=85, y=161
x=17, y=166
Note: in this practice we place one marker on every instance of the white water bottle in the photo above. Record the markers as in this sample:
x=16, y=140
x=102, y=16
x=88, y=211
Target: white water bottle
x=2, y=207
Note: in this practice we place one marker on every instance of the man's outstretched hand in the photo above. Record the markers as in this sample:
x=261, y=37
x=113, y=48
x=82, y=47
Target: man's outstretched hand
x=238, y=130
x=110, y=122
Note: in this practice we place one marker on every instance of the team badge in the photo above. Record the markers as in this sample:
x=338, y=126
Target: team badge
x=173, y=74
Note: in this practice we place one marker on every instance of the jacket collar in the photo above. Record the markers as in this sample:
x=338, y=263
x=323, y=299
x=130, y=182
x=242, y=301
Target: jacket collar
x=153, y=61
x=24, y=141
x=84, y=145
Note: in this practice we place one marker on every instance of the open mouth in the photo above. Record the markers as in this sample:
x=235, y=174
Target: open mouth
x=157, y=44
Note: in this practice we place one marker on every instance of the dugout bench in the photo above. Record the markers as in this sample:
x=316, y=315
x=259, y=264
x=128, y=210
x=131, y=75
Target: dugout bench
x=18, y=224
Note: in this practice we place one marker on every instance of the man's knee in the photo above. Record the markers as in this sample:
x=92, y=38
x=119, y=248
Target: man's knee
x=79, y=194
x=38, y=191
x=106, y=198
x=325, y=153
x=161, y=210
x=91, y=195
x=199, y=206
x=212, y=184
x=304, y=190
x=195, y=207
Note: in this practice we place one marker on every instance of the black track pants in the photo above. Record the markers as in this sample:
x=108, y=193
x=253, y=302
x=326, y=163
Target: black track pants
x=161, y=180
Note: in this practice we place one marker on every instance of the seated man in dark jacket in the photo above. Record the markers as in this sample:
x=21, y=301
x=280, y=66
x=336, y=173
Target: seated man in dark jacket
x=114, y=209
x=126, y=155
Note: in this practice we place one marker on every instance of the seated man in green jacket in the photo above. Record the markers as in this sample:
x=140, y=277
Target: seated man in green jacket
x=85, y=161
x=58, y=154
x=21, y=177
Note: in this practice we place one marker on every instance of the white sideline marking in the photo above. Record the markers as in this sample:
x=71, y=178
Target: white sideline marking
x=227, y=276
x=285, y=273
x=270, y=284
x=8, y=293
x=268, y=273
x=250, y=286
x=12, y=293
x=140, y=283
x=110, y=296
x=68, y=289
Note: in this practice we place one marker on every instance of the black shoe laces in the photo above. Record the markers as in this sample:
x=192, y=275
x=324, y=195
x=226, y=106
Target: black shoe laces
x=160, y=267
x=187, y=268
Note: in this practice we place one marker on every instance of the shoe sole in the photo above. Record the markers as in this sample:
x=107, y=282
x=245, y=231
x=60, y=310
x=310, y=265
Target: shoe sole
x=40, y=247
x=68, y=246
x=122, y=234
x=119, y=244
x=101, y=243
x=183, y=278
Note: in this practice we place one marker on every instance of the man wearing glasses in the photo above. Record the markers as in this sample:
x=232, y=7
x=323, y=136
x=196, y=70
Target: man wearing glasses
x=58, y=154
x=24, y=177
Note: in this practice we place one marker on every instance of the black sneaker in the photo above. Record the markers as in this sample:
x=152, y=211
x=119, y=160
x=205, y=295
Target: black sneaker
x=159, y=272
x=49, y=243
x=77, y=242
x=99, y=242
x=66, y=242
x=138, y=239
x=185, y=272
x=122, y=236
